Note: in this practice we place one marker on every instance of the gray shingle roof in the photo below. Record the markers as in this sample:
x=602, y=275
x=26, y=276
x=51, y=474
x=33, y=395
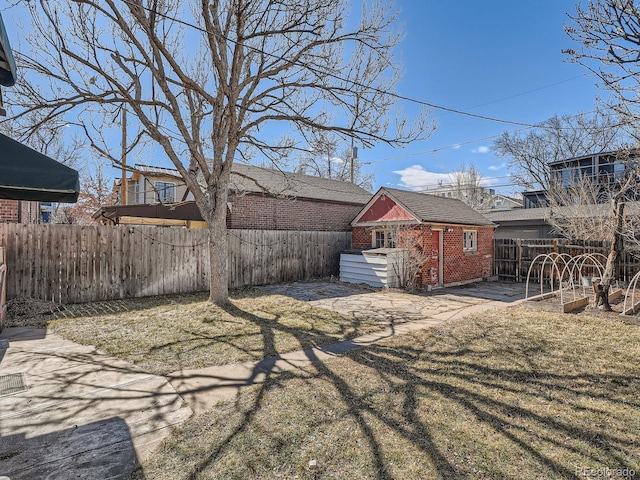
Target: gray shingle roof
x=520, y=214
x=295, y=185
x=252, y=179
x=430, y=208
x=524, y=214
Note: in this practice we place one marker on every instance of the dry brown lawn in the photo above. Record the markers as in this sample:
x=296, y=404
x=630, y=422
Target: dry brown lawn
x=169, y=333
x=504, y=394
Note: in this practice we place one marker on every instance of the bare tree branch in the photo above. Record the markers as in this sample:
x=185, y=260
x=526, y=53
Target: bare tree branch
x=203, y=79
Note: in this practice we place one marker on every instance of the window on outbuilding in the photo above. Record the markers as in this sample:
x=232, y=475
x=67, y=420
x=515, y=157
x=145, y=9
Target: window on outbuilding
x=469, y=240
x=384, y=239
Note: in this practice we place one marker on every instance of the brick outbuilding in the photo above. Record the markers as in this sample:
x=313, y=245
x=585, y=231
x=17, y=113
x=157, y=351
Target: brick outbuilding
x=453, y=242
x=258, y=199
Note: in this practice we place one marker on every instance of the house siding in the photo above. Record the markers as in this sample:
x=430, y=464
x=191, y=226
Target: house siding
x=384, y=209
x=262, y=212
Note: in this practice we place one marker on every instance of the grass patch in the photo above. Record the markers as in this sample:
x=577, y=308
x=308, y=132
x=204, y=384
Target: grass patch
x=509, y=393
x=166, y=334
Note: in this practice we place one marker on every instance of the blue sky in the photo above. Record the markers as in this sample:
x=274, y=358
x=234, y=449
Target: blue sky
x=498, y=58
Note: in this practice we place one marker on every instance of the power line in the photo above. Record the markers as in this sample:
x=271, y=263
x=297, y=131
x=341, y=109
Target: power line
x=526, y=92
x=447, y=147
x=331, y=74
x=468, y=142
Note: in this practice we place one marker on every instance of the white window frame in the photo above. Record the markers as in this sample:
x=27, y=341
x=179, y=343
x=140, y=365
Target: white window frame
x=388, y=239
x=469, y=240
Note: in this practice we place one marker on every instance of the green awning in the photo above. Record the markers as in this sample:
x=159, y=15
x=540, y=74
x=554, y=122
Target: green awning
x=29, y=175
x=7, y=62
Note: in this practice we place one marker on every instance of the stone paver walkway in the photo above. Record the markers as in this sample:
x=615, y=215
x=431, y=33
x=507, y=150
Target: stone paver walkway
x=394, y=306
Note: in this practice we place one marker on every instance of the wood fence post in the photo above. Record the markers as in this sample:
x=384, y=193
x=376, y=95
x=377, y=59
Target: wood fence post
x=519, y=262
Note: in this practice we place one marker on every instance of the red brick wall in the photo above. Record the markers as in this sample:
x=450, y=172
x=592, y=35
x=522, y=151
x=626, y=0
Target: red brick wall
x=270, y=213
x=9, y=211
x=361, y=237
x=15, y=211
x=458, y=265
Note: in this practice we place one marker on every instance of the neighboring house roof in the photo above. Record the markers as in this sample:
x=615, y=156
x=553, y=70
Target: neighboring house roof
x=508, y=198
x=252, y=179
x=150, y=171
x=431, y=208
x=527, y=214
x=521, y=214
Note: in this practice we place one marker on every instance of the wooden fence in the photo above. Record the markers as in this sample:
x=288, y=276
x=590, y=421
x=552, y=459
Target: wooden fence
x=512, y=258
x=74, y=264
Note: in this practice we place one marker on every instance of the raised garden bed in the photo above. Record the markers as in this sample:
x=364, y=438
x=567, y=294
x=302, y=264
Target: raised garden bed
x=567, y=303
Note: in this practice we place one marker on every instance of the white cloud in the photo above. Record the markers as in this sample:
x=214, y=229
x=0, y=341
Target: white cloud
x=481, y=149
x=337, y=160
x=416, y=177
x=493, y=168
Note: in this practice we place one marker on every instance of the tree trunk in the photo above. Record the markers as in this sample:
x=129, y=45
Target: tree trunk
x=602, y=291
x=218, y=274
x=217, y=225
x=617, y=246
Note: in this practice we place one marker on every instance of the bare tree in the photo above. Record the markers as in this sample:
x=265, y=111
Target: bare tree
x=466, y=185
x=97, y=191
x=328, y=159
x=558, y=138
x=413, y=257
x=591, y=207
x=203, y=80
x=50, y=138
x=608, y=32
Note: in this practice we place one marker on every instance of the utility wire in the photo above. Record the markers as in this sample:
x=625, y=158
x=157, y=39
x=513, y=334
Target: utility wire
x=331, y=74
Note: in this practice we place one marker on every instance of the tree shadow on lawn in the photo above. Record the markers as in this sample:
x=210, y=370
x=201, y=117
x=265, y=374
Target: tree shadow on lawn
x=465, y=416
x=256, y=337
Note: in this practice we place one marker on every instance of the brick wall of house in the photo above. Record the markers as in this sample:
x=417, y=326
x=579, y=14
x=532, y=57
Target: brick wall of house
x=461, y=266
x=15, y=211
x=269, y=213
x=361, y=237
x=458, y=265
x=9, y=211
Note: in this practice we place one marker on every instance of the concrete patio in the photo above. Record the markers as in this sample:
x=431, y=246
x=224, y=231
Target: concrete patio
x=70, y=411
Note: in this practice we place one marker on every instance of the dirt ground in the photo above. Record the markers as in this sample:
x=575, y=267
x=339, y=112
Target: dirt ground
x=29, y=312
x=553, y=305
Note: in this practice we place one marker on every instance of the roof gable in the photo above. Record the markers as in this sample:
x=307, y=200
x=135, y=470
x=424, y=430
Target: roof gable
x=384, y=209
x=428, y=208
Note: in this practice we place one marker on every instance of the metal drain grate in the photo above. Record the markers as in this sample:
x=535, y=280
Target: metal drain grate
x=12, y=383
